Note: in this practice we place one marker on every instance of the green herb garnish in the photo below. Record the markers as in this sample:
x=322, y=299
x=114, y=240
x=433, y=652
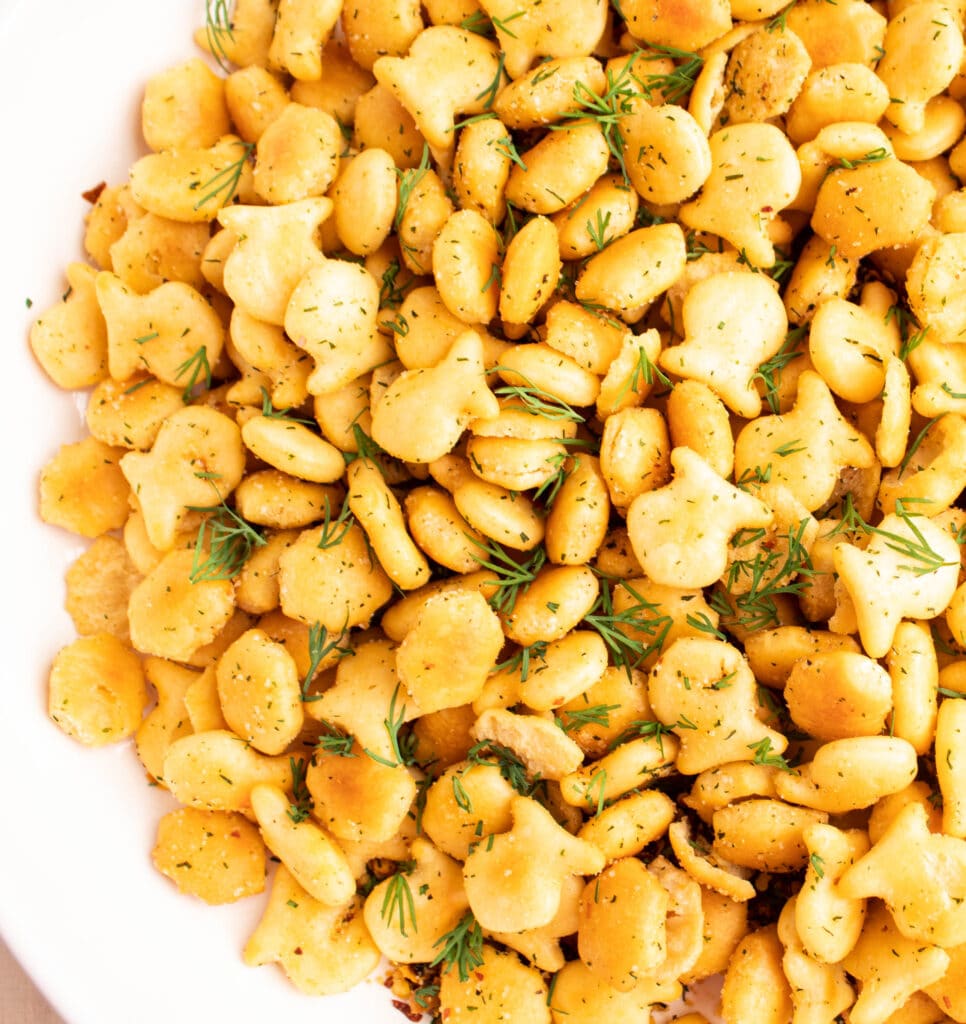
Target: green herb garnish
x=229, y=540
x=398, y=902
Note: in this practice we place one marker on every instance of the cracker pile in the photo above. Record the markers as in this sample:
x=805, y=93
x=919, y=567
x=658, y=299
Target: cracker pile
x=525, y=451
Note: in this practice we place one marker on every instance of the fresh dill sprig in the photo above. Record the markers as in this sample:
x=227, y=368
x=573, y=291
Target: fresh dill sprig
x=911, y=334
x=224, y=543
x=334, y=529
x=319, y=647
x=460, y=795
x=646, y=218
x=495, y=277
x=398, y=903
x=419, y=804
x=770, y=371
x=850, y=521
x=718, y=602
x=403, y=745
x=488, y=752
x=764, y=755
x=912, y=342
x=645, y=372
x=790, y=448
x=488, y=95
x=522, y=659
x=779, y=22
x=589, y=444
x=535, y=400
x=643, y=728
x=780, y=268
x=599, y=781
x=512, y=222
x=617, y=629
x=408, y=180
x=914, y=447
x=398, y=325
x=547, y=491
x=426, y=997
x=507, y=147
x=138, y=385
x=703, y=624
x=748, y=535
x=195, y=366
x=925, y=559
x=218, y=28
x=593, y=714
x=872, y=157
x=676, y=84
x=487, y=115
x=501, y=23
x=224, y=183
x=754, y=476
x=392, y=292
x=479, y=23
x=462, y=947
x=724, y=682
x=697, y=249
x=767, y=703
x=302, y=803
x=366, y=447
x=514, y=576
x=597, y=230
x=332, y=740
x=544, y=71
x=270, y=412
x=607, y=108
x=769, y=573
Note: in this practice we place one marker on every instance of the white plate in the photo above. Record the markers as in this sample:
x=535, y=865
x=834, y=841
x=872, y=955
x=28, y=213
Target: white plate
x=107, y=939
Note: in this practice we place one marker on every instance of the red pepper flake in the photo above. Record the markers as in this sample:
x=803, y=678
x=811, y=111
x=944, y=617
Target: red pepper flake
x=93, y=194
x=235, y=834
x=767, y=209
x=298, y=950
x=406, y=1010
